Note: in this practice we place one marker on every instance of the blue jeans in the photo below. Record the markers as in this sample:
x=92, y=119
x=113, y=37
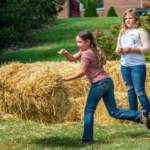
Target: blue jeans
x=104, y=89
x=134, y=78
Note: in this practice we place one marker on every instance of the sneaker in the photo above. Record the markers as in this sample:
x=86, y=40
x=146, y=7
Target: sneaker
x=87, y=141
x=148, y=122
x=145, y=118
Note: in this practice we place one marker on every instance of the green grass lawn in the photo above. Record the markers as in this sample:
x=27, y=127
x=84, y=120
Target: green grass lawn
x=22, y=135
x=61, y=35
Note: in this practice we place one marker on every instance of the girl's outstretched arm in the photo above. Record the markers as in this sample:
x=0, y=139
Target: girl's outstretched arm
x=69, y=56
x=80, y=73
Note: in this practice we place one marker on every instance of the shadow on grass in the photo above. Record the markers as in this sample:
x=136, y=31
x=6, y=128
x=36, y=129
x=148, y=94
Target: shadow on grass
x=139, y=134
x=142, y=134
x=75, y=142
x=71, y=142
x=65, y=142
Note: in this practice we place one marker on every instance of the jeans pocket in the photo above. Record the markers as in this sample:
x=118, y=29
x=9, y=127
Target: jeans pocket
x=103, y=85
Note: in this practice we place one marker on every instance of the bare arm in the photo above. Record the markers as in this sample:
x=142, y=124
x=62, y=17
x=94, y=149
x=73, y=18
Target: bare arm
x=69, y=56
x=145, y=41
x=145, y=47
x=131, y=50
x=118, y=47
x=80, y=73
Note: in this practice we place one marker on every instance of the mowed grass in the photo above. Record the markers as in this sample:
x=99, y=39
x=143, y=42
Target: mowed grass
x=60, y=35
x=22, y=135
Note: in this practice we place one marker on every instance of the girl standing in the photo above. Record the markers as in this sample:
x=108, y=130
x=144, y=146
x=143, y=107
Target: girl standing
x=101, y=84
x=133, y=43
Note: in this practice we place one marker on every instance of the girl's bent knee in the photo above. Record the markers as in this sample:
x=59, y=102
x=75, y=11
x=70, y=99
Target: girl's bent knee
x=140, y=93
x=113, y=114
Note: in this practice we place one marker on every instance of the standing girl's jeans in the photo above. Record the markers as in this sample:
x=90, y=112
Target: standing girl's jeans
x=104, y=89
x=134, y=78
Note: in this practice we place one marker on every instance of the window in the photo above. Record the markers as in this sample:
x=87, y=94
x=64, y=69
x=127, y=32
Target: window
x=99, y=3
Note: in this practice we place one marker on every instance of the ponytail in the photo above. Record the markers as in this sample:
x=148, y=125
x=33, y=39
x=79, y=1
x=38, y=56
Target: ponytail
x=100, y=57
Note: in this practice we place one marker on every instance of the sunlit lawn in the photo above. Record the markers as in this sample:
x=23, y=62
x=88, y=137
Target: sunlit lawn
x=26, y=135
x=61, y=35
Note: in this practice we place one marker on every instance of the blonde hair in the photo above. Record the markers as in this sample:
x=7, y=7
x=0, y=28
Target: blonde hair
x=86, y=35
x=132, y=12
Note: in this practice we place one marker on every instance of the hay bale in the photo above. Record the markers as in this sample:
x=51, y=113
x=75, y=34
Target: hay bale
x=101, y=115
x=76, y=88
x=37, y=92
x=5, y=116
x=114, y=71
x=76, y=110
x=33, y=91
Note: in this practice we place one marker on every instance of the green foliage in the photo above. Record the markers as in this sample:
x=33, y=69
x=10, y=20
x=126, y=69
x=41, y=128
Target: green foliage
x=111, y=12
x=16, y=14
x=15, y=20
x=90, y=8
x=8, y=36
x=146, y=22
x=108, y=42
x=147, y=57
x=146, y=25
x=22, y=16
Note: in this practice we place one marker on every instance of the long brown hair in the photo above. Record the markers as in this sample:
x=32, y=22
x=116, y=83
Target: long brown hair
x=87, y=35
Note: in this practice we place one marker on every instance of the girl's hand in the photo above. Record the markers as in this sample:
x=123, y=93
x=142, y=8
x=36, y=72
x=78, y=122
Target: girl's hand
x=126, y=50
x=119, y=51
x=66, y=79
x=62, y=52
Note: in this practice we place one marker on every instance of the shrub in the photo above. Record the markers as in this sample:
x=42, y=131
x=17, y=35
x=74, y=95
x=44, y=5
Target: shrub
x=115, y=29
x=111, y=12
x=19, y=17
x=90, y=8
x=8, y=36
x=146, y=22
x=108, y=42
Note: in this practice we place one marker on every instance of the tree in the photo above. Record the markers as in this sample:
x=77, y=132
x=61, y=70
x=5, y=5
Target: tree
x=90, y=8
x=20, y=16
x=111, y=12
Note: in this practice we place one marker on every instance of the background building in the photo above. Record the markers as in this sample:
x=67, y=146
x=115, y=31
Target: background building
x=121, y=5
x=103, y=6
